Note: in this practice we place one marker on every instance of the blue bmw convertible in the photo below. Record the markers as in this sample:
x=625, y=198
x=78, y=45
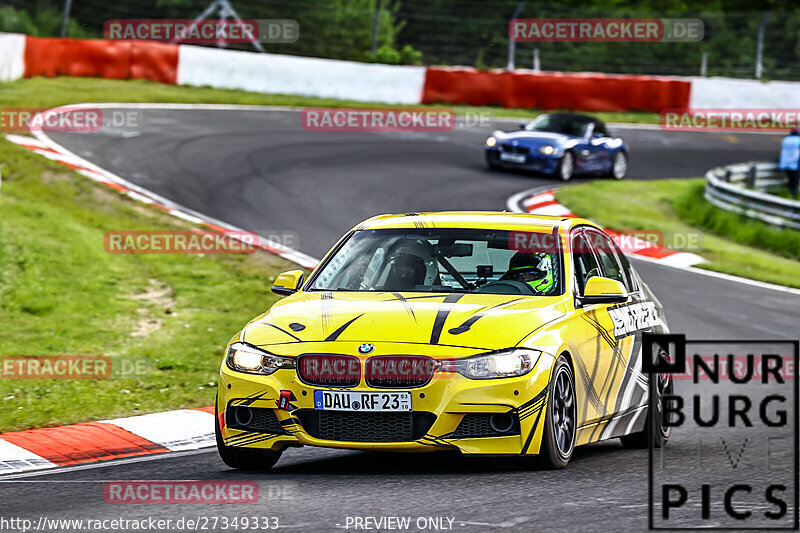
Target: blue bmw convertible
x=561, y=144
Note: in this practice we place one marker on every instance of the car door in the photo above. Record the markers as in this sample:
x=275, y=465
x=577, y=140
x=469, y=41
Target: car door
x=595, y=347
x=599, y=148
x=588, y=151
x=625, y=387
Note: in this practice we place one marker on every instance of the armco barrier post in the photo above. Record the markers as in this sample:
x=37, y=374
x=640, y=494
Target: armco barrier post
x=751, y=176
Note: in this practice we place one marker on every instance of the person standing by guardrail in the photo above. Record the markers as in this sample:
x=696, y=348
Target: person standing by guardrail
x=790, y=159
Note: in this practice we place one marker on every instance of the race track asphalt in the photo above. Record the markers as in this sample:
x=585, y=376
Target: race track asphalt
x=261, y=171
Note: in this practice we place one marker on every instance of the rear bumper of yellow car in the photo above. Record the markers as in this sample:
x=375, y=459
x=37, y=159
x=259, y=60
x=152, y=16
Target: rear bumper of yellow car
x=450, y=412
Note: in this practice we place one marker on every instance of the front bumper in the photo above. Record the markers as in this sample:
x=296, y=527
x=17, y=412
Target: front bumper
x=533, y=161
x=438, y=411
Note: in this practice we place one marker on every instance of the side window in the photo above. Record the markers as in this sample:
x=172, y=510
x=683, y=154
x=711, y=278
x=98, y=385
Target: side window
x=585, y=263
x=611, y=258
x=600, y=128
x=627, y=269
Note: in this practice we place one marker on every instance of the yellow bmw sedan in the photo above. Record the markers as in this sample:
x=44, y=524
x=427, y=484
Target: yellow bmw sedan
x=487, y=333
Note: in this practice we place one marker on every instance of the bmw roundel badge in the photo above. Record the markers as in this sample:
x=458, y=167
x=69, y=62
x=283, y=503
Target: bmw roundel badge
x=366, y=348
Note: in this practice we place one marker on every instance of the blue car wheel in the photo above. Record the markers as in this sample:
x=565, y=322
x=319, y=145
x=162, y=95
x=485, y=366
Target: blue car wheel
x=619, y=165
x=566, y=166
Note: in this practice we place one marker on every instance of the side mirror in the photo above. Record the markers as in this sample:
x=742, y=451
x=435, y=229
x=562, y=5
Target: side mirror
x=288, y=282
x=523, y=125
x=603, y=291
x=597, y=135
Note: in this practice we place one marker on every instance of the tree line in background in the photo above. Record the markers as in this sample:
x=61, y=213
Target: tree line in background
x=472, y=32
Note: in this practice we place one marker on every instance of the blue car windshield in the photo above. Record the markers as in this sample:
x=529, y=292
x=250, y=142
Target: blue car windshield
x=565, y=124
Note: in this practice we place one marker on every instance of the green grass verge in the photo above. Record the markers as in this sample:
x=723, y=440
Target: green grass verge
x=676, y=208
x=51, y=92
x=695, y=210
x=62, y=294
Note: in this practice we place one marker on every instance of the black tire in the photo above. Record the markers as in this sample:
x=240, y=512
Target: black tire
x=654, y=429
x=243, y=458
x=560, y=421
x=619, y=166
x=566, y=166
x=491, y=164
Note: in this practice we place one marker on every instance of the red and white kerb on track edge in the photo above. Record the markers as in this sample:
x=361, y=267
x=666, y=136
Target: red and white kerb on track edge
x=544, y=203
x=170, y=431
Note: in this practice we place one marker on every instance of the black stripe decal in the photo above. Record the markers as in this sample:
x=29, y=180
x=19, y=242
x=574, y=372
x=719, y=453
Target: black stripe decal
x=612, y=342
x=530, y=435
x=280, y=329
x=477, y=316
x=441, y=316
x=335, y=335
x=408, y=307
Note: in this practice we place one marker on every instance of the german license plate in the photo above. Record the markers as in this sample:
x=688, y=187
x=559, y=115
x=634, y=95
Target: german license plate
x=362, y=401
x=512, y=158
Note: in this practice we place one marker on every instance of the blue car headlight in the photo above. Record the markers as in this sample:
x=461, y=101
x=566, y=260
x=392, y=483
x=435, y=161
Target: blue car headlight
x=548, y=150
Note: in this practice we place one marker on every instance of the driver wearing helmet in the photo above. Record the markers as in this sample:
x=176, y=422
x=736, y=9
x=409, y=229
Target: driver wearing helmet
x=534, y=269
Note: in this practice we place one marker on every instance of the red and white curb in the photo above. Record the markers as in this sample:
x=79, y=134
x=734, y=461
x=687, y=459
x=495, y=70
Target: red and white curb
x=543, y=202
x=170, y=431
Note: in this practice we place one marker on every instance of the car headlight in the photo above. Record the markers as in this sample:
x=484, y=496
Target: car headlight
x=246, y=358
x=504, y=364
x=547, y=150
x=491, y=141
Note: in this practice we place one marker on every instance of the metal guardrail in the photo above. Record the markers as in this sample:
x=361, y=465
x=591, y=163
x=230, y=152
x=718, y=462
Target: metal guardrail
x=739, y=188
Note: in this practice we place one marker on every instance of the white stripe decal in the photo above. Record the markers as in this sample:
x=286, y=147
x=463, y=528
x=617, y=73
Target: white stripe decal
x=626, y=394
x=634, y=418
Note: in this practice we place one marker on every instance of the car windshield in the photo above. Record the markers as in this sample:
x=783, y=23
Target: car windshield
x=566, y=124
x=445, y=260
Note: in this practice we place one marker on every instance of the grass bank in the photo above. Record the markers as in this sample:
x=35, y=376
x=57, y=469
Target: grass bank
x=731, y=244
x=62, y=294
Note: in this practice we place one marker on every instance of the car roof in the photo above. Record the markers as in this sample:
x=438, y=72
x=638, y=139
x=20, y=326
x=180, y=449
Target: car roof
x=473, y=220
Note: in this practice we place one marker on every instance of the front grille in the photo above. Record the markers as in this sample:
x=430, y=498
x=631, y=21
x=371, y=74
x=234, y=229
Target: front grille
x=399, y=371
x=477, y=425
x=254, y=419
x=366, y=427
x=515, y=149
x=329, y=370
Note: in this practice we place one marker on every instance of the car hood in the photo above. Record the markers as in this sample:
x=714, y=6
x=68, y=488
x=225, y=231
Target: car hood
x=533, y=138
x=479, y=321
